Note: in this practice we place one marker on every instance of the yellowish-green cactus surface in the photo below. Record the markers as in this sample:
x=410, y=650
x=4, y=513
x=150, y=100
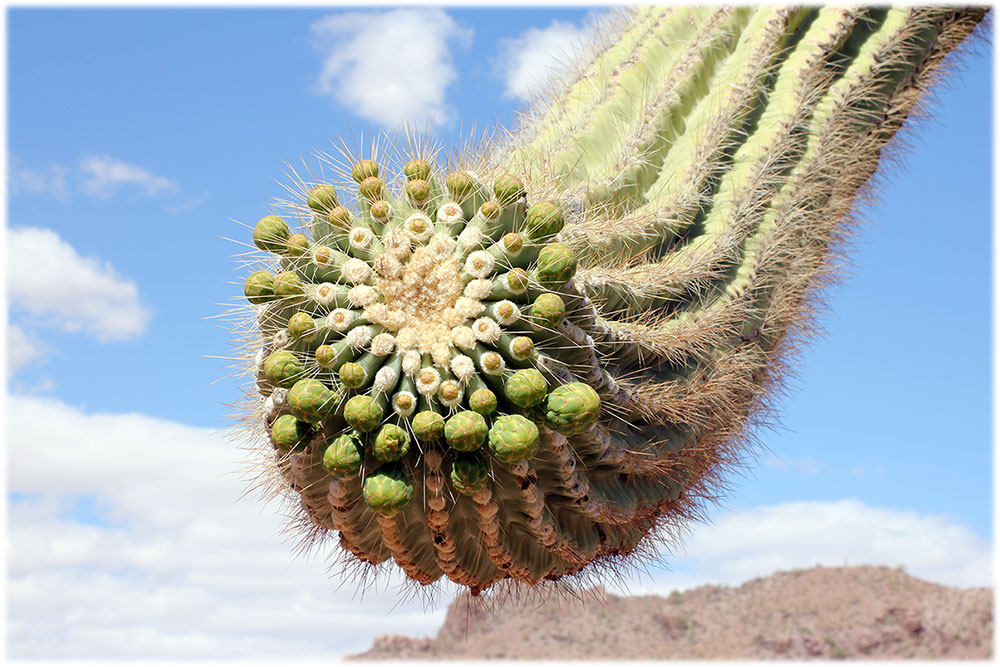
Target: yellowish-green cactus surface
x=544, y=354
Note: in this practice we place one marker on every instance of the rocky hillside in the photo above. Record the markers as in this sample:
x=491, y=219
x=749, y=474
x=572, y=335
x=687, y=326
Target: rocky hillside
x=824, y=612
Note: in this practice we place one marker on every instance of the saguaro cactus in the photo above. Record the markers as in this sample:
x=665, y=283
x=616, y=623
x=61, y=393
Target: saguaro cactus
x=544, y=354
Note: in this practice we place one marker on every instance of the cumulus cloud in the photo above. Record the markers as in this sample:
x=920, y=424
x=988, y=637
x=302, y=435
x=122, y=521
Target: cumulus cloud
x=48, y=181
x=127, y=538
x=391, y=67
x=22, y=349
x=46, y=277
x=741, y=545
x=531, y=59
x=104, y=175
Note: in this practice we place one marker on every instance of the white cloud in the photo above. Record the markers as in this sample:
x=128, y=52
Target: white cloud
x=47, y=277
x=534, y=57
x=22, y=349
x=807, y=466
x=104, y=176
x=178, y=566
x=189, y=204
x=741, y=545
x=391, y=67
x=49, y=181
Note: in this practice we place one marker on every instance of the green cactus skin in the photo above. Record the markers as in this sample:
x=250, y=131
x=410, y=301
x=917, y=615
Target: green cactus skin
x=343, y=456
x=557, y=344
x=289, y=433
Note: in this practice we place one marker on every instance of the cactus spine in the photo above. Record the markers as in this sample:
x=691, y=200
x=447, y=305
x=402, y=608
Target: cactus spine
x=547, y=354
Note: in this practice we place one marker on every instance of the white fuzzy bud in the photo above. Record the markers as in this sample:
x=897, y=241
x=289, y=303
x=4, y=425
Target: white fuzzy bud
x=441, y=353
x=383, y=344
x=281, y=339
x=478, y=289
x=428, y=380
x=339, y=319
x=486, y=330
x=463, y=337
x=468, y=308
x=404, y=403
x=324, y=293
x=361, y=238
x=358, y=337
x=419, y=227
x=449, y=213
x=491, y=363
x=396, y=243
x=356, y=271
x=463, y=367
x=279, y=396
x=470, y=237
x=510, y=307
x=388, y=266
x=480, y=264
x=411, y=362
x=362, y=296
x=386, y=378
x=450, y=393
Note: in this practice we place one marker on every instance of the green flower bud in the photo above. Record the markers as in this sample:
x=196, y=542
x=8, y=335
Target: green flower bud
x=465, y=431
x=512, y=243
x=459, y=184
x=517, y=280
x=364, y=169
x=489, y=210
x=352, y=375
x=322, y=198
x=470, y=472
x=297, y=245
x=363, y=413
x=287, y=283
x=417, y=170
x=544, y=220
x=548, y=310
x=526, y=388
x=418, y=190
x=513, y=439
x=387, y=491
x=572, y=408
x=340, y=218
x=381, y=210
x=428, y=426
x=302, y=327
x=556, y=264
x=508, y=189
x=391, y=444
x=371, y=188
x=522, y=347
x=311, y=400
x=259, y=287
x=483, y=401
x=326, y=356
x=283, y=368
x=343, y=456
x=288, y=433
x=271, y=233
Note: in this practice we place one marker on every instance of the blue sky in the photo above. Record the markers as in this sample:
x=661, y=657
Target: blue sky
x=137, y=138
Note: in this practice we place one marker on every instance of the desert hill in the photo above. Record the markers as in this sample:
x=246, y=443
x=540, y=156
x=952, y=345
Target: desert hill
x=824, y=612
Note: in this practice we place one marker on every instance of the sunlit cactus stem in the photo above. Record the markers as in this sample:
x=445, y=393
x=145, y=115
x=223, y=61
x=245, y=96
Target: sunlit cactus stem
x=544, y=355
